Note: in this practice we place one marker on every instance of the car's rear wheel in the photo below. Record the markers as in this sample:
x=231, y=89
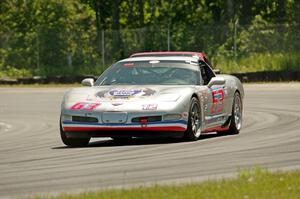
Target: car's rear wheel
x=72, y=142
x=236, y=115
x=193, y=131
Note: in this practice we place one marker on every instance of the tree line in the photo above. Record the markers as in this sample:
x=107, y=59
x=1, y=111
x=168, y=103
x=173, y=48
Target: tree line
x=55, y=37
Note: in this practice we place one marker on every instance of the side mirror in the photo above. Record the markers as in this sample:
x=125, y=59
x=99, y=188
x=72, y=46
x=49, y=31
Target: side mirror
x=87, y=82
x=216, y=81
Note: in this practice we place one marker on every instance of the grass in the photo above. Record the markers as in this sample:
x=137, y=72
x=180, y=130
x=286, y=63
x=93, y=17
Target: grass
x=259, y=62
x=256, y=183
x=247, y=63
x=51, y=85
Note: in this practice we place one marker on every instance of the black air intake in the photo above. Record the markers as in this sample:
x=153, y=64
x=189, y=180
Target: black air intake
x=84, y=119
x=149, y=119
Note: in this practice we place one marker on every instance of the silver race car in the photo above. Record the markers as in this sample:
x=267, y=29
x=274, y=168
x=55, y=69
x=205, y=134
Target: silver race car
x=153, y=95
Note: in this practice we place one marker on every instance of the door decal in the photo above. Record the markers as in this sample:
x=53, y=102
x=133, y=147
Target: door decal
x=217, y=100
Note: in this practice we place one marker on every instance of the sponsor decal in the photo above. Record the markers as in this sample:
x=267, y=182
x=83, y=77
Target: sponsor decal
x=128, y=64
x=84, y=106
x=124, y=93
x=217, y=100
x=149, y=107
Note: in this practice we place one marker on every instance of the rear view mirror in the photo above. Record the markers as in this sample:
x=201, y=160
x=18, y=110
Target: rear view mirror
x=216, y=81
x=87, y=82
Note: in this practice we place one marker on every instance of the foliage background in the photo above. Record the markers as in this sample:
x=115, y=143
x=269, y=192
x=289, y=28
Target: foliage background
x=70, y=37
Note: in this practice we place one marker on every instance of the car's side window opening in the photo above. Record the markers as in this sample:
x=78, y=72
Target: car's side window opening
x=206, y=72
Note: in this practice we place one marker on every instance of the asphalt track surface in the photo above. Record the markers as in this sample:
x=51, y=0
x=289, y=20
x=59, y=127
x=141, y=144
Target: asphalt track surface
x=34, y=160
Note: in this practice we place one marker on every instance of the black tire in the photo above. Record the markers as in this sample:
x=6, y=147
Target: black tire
x=236, y=115
x=73, y=142
x=193, y=131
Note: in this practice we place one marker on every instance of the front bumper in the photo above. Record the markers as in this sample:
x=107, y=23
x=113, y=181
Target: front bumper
x=174, y=129
x=175, y=126
x=118, y=123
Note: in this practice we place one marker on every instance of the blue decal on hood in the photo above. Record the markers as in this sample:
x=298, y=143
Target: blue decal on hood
x=124, y=93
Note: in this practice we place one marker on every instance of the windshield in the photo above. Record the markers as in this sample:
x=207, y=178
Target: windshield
x=151, y=73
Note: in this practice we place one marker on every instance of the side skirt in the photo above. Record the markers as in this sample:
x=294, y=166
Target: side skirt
x=223, y=127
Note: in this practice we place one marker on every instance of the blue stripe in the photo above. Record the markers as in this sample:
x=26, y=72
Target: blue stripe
x=131, y=124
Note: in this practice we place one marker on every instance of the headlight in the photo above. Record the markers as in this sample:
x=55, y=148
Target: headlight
x=76, y=97
x=169, y=97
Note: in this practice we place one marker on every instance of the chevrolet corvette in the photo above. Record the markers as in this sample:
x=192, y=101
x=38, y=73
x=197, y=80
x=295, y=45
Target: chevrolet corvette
x=153, y=95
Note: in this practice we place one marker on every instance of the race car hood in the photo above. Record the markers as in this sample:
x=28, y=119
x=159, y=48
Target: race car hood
x=116, y=97
x=126, y=93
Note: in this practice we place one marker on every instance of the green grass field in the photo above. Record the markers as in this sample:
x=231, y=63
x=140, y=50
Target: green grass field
x=255, y=184
x=51, y=85
x=259, y=62
x=251, y=63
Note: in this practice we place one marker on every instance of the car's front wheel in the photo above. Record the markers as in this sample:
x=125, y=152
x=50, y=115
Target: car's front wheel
x=72, y=142
x=236, y=115
x=193, y=131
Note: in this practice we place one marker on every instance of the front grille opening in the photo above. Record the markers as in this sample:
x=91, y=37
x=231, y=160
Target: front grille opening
x=149, y=119
x=84, y=119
